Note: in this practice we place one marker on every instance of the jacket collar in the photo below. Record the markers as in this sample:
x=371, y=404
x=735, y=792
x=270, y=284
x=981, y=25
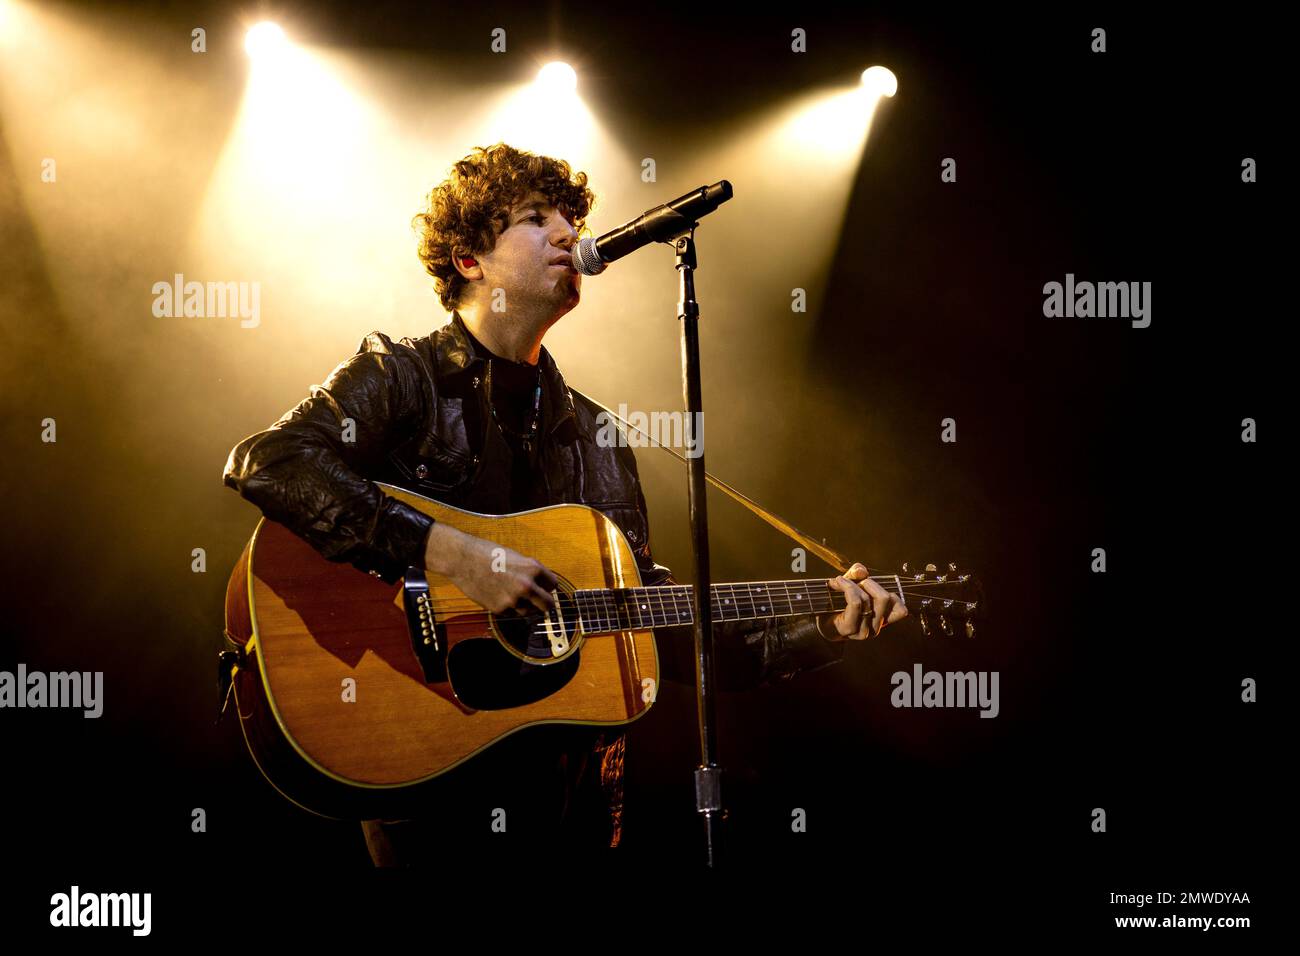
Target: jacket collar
x=458, y=354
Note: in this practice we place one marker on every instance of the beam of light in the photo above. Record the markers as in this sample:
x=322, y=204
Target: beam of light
x=766, y=258
x=265, y=41
x=542, y=118
x=299, y=130
x=123, y=136
x=558, y=78
x=836, y=125
x=841, y=122
x=793, y=167
x=329, y=157
x=879, y=81
x=293, y=197
x=12, y=19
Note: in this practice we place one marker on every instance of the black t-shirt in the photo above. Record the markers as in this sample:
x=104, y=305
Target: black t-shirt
x=514, y=394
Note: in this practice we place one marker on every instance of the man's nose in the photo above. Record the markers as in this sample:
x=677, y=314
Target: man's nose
x=567, y=238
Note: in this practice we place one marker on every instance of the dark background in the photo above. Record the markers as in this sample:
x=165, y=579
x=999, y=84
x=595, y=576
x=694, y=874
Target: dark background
x=1119, y=691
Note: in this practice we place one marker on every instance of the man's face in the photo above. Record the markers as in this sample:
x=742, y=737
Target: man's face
x=522, y=263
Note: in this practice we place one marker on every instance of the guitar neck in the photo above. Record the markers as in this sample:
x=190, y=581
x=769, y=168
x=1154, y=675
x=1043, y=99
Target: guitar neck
x=624, y=609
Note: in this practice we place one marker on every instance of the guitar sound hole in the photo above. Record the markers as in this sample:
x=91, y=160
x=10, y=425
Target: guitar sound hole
x=541, y=636
x=487, y=677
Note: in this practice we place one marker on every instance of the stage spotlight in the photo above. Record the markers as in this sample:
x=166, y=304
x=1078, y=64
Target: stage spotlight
x=557, y=77
x=879, y=81
x=265, y=40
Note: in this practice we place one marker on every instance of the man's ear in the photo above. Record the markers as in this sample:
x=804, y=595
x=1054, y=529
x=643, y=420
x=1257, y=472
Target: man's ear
x=466, y=265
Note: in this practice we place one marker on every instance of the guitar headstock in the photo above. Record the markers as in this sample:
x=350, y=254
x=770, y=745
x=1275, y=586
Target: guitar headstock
x=939, y=598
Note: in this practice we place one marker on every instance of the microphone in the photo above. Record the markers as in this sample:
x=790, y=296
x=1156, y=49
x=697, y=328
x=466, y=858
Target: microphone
x=660, y=224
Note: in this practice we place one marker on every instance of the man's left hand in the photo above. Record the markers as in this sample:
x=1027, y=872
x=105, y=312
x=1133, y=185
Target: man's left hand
x=870, y=607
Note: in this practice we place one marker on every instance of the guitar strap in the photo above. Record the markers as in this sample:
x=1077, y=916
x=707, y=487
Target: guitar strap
x=829, y=555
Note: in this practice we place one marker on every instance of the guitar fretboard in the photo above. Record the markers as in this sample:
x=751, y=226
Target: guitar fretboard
x=627, y=609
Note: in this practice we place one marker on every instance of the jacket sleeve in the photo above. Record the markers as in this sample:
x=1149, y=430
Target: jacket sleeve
x=746, y=654
x=305, y=471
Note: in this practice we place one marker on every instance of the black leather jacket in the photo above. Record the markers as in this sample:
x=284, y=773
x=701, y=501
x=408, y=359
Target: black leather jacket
x=418, y=418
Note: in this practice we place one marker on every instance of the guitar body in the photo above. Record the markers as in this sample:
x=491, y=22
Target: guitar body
x=343, y=716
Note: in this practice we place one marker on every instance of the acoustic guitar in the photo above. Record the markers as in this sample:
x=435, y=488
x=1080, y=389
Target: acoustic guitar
x=355, y=695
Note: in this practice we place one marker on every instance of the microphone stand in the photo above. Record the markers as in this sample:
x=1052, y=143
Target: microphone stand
x=675, y=223
x=708, y=775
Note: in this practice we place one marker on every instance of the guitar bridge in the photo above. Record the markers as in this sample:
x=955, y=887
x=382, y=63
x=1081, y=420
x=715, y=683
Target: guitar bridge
x=428, y=637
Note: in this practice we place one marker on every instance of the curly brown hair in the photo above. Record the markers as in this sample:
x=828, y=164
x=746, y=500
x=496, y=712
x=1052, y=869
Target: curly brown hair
x=468, y=210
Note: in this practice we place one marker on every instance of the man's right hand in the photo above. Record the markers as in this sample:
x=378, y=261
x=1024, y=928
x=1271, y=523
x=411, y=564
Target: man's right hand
x=491, y=575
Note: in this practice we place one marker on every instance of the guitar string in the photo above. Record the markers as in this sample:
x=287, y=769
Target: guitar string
x=602, y=624
x=601, y=608
x=752, y=604
x=682, y=594
x=892, y=579
x=747, y=594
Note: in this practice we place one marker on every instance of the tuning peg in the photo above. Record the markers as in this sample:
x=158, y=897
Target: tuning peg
x=952, y=566
x=926, y=622
x=970, y=629
x=945, y=624
x=931, y=567
x=906, y=569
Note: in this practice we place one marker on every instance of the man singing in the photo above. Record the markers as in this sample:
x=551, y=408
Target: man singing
x=477, y=415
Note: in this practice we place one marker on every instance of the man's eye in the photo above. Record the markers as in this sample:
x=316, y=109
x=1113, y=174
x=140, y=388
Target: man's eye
x=536, y=215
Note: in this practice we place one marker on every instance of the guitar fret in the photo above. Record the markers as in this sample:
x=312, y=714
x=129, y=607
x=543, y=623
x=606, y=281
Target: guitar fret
x=788, y=595
x=664, y=594
x=611, y=610
x=634, y=612
x=622, y=610
x=592, y=612
x=727, y=609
